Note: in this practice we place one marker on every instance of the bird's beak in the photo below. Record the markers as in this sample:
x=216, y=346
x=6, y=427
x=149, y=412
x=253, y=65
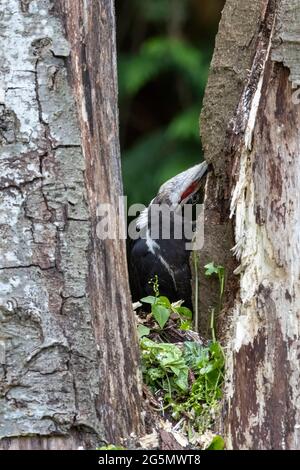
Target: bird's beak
x=196, y=182
x=204, y=168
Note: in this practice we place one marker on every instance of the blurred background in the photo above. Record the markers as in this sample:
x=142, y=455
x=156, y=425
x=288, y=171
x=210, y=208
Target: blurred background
x=164, y=52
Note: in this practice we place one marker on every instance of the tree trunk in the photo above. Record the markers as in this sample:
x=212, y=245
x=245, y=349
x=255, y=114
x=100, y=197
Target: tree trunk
x=68, y=349
x=250, y=130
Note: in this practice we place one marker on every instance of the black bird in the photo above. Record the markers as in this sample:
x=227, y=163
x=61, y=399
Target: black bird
x=151, y=254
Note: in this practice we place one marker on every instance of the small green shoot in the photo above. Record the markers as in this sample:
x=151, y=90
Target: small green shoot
x=210, y=270
x=219, y=270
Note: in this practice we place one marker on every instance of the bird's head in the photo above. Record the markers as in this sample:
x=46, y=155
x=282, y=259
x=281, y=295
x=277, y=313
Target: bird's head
x=179, y=190
x=182, y=188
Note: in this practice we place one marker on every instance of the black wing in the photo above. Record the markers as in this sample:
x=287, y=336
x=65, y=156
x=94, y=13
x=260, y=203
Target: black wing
x=173, y=273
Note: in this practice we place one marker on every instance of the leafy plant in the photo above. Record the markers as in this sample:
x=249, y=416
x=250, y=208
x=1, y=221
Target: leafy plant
x=208, y=367
x=162, y=308
x=188, y=379
x=166, y=369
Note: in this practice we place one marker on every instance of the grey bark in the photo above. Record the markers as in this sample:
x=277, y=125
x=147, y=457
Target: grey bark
x=250, y=130
x=68, y=351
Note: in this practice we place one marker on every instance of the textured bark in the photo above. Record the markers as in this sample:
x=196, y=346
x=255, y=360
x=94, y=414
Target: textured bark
x=260, y=142
x=234, y=51
x=68, y=351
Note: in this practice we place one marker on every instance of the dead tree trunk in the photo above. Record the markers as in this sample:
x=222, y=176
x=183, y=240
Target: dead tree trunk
x=251, y=134
x=68, y=350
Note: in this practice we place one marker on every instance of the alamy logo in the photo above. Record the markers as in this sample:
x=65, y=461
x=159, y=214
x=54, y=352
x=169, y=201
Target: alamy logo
x=158, y=221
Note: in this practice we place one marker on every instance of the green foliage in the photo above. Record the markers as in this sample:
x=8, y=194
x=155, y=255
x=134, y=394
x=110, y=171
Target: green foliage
x=157, y=55
x=143, y=331
x=153, y=159
x=188, y=379
x=185, y=126
x=161, y=314
x=158, y=11
x=166, y=369
x=208, y=366
x=161, y=308
x=159, y=135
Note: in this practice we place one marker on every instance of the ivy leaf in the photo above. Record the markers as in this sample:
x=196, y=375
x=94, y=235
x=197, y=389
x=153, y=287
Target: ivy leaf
x=161, y=314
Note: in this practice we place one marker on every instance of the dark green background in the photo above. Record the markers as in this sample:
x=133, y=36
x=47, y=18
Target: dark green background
x=164, y=51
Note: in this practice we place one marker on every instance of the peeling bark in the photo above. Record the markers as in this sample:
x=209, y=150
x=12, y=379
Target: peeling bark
x=261, y=143
x=235, y=49
x=68, y=354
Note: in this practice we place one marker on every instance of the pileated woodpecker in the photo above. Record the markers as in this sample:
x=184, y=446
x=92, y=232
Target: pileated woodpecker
x=167, y=257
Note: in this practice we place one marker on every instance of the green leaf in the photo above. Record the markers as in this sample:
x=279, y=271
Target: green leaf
x=164, y=361
x=143, y=330
x=185, y=312
x=149, y=300
x=161, y=300
x=211, y=269
x=161, y=314
x=182, y=379
x=216, y=444
x=147, y=343
x=208, y=368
